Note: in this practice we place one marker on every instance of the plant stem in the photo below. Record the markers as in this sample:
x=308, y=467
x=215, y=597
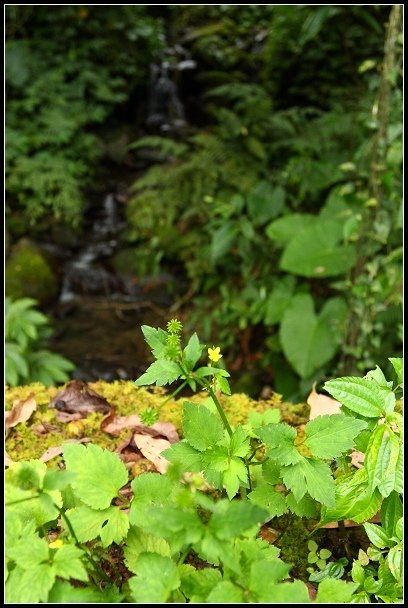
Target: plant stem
x=176, y=392
x=220, y=411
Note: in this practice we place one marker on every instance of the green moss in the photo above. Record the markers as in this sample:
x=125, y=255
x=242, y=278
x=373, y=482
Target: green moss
x=28, y=273
x=293, y=542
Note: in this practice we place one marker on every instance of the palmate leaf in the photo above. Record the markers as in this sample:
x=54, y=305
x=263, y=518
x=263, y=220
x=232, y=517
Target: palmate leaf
x=268, y=498
x=329, y=436
x=201, y=428
x=225, y=592
x=160, y=372
x=67, y=563
x=29, y=586
x=99, y=474
x=333, y=591
x=138, y=541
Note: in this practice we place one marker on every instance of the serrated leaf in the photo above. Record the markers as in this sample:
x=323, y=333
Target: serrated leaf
x=225, y=592
x=29, y=586
x=295, y=592
x=29, y=552
x=240, y=443
x=156, y=339
x=329, y=436
x=235, y=518
x=67, y=563
x=361, y=396
x=316, y=251
x=235, y=475
x=391, y=512
x=184, y=454
x=148, y=489
x=115, y=530
x=87, y=522
x=377, y=375
x=157, y=577
x=99, y=474
x=398, y=365
x=160, y=372
x=377, y=535
x=201, y=428
x=354, y=500
x=192, y=352
x=64, y=593
x=268, y=498
x=312, y=476
x=332, y=591
x=279, y=438
x=381, y=460
x=306, y=507
x=263, y=578
x=308, y=340
x=138, y=541
x=199, y=583
x=394, y=559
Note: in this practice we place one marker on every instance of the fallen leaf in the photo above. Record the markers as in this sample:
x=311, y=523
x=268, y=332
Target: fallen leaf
x=151, y=448
x=77, y=396
x=44, y=427
x=321, y=404
x=20, y=412
x=134, y=423
x=66, y=417
x=357, y=459
x=57, y=450
x=167, y=429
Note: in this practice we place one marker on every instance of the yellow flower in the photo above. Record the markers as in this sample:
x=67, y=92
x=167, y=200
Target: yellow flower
x=56, y=544
x=214, y=354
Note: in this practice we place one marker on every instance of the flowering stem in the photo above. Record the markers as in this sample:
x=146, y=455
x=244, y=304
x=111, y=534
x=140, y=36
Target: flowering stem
x=176, y=392
x=220, y=410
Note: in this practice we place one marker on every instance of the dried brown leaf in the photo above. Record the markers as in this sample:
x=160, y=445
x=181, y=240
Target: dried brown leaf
x=151, y=448
x=20, y=412
x=77, y=396
x=321, y=404
x=57, y=450
x=167, y=429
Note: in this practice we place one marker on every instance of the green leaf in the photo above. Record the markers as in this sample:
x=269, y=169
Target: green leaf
x=361, y=396
x=398, y=365
x=64, y=593
x=148, y=489
x=279, y=300
x=67, y=563
x=284, y=229
x=192, y=352
x=201, y=428
x=307, y=339
x=268, y=498
x=265, y=202
x=235, y=474
x=263, y=578
x=225, y=592
x=202, y=372
x=306, y=507
x=391, y=512
x=115, y=530
x=99, y=474
x=223, y=385
x=160, y=372
x=29, y=552
x=381, y=460
x=183, y=453
x=289, y=593
x=199, y=583
x=376, y=375
x=332, y=591
x=279, y=438
x=377, y=535
x=271, y=471
x=29, y=586
x=157, y=577
x=394, y=560
x=316, y=251
x=223, y=240
x=87, y=522
x=139, y=541
x=156, y=339
x=235, y=518
x=329, y=436
x=313, y=476
x=354, y=500
x=239, y=443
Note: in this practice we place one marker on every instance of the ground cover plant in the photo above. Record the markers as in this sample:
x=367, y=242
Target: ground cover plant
x=80, y=534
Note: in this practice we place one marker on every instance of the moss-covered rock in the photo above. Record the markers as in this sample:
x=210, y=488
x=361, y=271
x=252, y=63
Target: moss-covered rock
x=28, y=274
x=42, y=431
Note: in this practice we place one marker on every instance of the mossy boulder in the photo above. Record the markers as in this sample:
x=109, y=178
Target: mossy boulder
x=28, y=273
x=42, y=431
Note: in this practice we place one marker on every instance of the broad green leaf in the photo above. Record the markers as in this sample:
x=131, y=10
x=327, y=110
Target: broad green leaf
x=160, y=372
x=391, y=512
x=223, y=240
x=148, y=489
x=399, y=472
x=184, y=454
x=235, y=475
x=268, y=498
x=199, y=583
x=201, y=428
x=398, y=365
x=263, y=578
x=354, y=500
x=218, y=551
x=99, y=474
x=381, y=460
x=279, y=300
x=156, y=339
x=279, y=438
x=332, y=591
x=30, y=586
x=67, y=563
x=235, y=518
x=306, y=507
x=317, y=252
x=399, y=528
x=271, y=471
x=271, y=416
x=115, y=530
x=240, y=443
x=202, y=372
x=329, y=436
x=255, y=549
x=225, y=592
x=157, y=577
x=313, y=476
x=377, y=535
x=29, y=552
x=361, y=396
x=394, y=559
x=307, y=339
x=286, y=228
x=223, y=385
x=265, y=202
x=138, y=541
x=178, y=525
x=192, y=352
x=64, y=593
x=377, y=375
x=87, y=522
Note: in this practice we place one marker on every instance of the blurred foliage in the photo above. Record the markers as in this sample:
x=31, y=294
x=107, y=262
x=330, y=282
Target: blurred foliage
x=26, y=333
x=281, y=202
